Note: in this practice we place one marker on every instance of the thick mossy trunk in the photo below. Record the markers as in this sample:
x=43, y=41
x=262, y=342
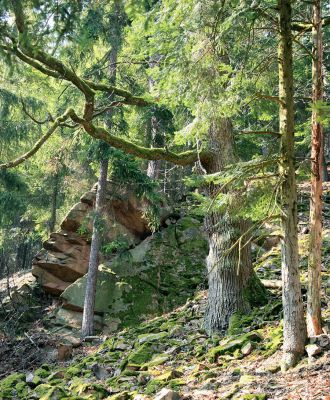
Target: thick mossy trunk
x=233, y=285
x=294, y=328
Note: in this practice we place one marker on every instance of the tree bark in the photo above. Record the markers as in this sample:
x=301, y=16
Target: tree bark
x=154, y=166
x=294, y=328
x=87, y=328
x=153, y=170
x=231, y=279
x=228, y=273
x=315, y=236
x=52, y=220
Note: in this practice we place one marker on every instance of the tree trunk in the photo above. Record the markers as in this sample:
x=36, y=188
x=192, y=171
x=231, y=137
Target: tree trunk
x=87, y=328
x=294, y=328
x=325, y=174
x=315, y=236
x=90, y=295
x=228, y=272
x=154, y=166
x=231, y=279
x=52, y=220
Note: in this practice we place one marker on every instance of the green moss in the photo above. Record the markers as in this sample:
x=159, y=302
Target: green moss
x=165, y=376
x=168, y=325
x=8, y=386
x=142, y=355
x=48, y=392
x=159, y=359
x=129, y=372
x=84, y=387
x=153, y=386
x=22, y=389
x=74, y=371
x=176, y=383
x=274, y=340
x=199, y=350
x=36, y=380
x=237, y=322
x=151, y=337
x=255, y=292
x=232, y=345
x=55, y=382
x=42, y=372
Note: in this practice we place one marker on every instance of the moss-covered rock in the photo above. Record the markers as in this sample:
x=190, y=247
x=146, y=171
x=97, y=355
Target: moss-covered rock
x=42, y=372
x=141, y=355
x=12, y=386
x=156, y=360
x=84, y=387
x=49, y=392
x=232, y=345
x=155, y=276
x=151, y=337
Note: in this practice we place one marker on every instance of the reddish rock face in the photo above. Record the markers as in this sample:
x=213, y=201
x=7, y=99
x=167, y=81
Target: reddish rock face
x=65, y=255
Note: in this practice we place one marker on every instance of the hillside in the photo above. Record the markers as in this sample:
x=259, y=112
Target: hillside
x=172, y=351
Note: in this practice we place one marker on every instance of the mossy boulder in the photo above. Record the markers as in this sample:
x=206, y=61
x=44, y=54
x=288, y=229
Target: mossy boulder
x=157, y=275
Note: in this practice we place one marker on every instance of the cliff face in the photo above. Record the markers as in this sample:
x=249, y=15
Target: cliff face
x=64, y=257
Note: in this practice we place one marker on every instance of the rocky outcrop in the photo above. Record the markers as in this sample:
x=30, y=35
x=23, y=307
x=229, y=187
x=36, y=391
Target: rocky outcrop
x=65, y=255
x=155, y=276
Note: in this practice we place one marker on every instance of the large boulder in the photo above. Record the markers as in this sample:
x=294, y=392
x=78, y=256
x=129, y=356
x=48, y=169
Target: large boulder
x=64, y=257
x=157, y=275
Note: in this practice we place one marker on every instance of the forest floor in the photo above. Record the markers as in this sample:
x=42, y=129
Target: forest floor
x=170, y=351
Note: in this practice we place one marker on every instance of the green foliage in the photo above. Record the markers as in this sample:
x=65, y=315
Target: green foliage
x=116, y=246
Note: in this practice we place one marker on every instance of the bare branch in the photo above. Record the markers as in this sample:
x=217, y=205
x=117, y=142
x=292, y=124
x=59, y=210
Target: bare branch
x=108, y=108
x=49, y=117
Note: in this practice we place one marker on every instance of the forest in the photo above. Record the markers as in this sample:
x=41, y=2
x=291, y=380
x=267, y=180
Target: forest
x=164, y=199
